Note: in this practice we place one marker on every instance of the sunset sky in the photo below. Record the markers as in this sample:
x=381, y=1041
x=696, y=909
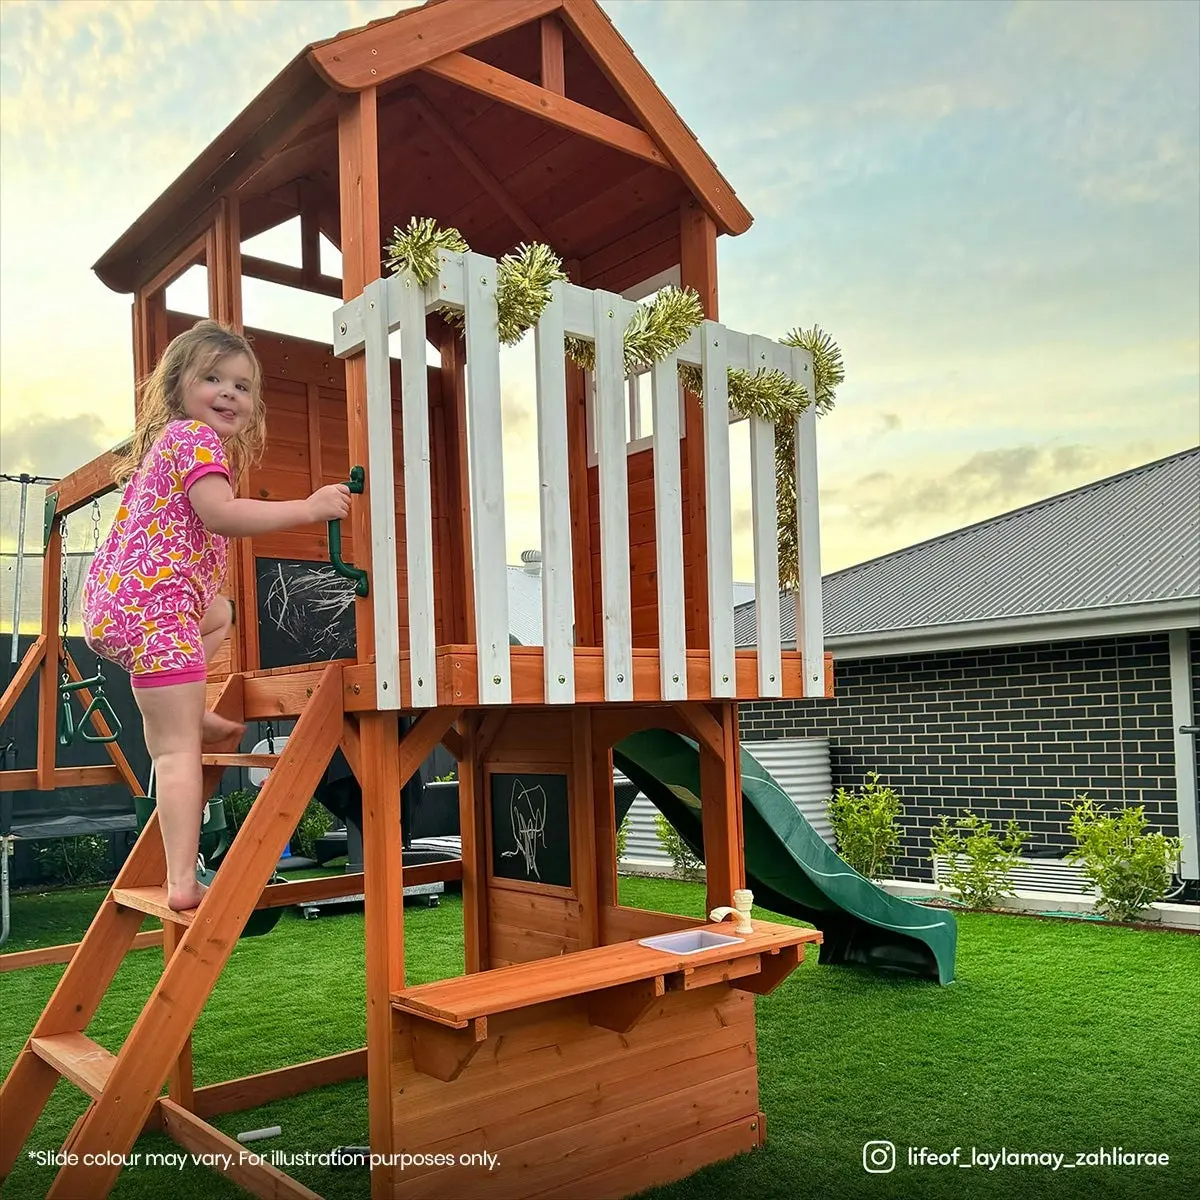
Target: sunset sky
x=993, y=207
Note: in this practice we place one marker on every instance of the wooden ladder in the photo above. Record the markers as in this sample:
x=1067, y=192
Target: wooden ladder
x=125, y=1087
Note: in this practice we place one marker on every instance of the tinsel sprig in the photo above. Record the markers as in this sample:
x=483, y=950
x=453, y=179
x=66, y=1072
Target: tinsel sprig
x=656, y=330
x=416, y=249
x=523, y=279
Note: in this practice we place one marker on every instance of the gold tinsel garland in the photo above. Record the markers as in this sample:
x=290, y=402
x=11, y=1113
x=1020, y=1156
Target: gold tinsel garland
x=656, y=330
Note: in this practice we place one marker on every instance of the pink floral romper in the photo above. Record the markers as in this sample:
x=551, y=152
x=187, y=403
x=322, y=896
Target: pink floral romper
x=160, y=567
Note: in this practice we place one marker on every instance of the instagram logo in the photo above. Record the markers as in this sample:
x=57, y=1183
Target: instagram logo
x=879, y=1158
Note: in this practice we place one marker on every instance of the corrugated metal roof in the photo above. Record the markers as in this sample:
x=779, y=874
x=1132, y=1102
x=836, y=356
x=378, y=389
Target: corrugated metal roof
x=1128, y=539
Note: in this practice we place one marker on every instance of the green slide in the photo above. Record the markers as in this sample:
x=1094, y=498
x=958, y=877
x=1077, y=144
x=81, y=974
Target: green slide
x=789, y=867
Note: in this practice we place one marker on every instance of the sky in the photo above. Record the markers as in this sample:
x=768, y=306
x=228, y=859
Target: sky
x=993, y=207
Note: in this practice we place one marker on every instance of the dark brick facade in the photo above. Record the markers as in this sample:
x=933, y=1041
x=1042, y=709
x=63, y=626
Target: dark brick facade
x=1017, y=731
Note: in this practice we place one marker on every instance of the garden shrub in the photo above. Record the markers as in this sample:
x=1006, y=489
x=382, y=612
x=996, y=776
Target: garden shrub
x=687, y=865
x=1128, y=864
x=75, y=860
x=980, y=859
x=866, y=824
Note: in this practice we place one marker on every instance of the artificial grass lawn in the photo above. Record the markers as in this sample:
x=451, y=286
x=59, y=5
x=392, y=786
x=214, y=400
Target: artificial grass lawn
x=1058, y=1037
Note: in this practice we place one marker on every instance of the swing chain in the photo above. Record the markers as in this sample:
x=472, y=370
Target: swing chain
x=270, y=738
x=66, y=595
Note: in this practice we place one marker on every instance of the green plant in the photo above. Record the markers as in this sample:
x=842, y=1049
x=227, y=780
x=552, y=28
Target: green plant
x=449, y=777
x=866, y=826
x=622, y=837
x=687, y=865
x=314, y=825
x=1127, y=864
x=315, y=822
x=75, y=860
x=980, y=859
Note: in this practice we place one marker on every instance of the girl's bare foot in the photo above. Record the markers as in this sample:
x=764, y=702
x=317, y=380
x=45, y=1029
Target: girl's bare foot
x=189, y=896
x=214, y=728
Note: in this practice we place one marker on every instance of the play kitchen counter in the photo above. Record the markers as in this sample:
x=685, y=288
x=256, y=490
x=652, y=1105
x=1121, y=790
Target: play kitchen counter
x=619, y=982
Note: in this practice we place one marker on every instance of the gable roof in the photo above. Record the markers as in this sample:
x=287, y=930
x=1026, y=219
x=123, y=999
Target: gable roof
x=1118, y=555
x=375, y=54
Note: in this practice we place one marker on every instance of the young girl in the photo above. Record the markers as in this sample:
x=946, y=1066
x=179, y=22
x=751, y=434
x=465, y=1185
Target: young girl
x=151, y=602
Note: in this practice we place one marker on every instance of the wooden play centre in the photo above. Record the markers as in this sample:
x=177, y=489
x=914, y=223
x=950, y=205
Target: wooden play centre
x=590, y=1048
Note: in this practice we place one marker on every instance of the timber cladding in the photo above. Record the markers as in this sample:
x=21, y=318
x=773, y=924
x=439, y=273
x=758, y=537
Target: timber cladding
x=570, y=1108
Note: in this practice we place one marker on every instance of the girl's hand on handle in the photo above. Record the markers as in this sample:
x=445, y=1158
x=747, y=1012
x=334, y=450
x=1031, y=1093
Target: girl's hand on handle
x=330, y=503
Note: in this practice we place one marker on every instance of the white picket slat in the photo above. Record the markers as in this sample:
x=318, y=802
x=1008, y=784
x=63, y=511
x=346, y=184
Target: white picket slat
x=609, y=312
x=718, y=509
x=668, y=530
x=810, y=620
x=558, y=592
x=418, y=492
x=381, y=489
x=765, y=525
x=486, y=464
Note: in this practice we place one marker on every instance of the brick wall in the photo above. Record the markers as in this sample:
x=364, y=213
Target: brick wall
x=1012, y=732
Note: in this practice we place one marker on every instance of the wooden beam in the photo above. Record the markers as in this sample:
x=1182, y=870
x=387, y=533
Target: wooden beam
x=20, y=959
x=704, y=727
x=258, y=1178
x=472, y=811
x=776, y=967
x=639, y=91
x=483, y=176
x=358, y=157
x=181, y=1082
x=48, y=699
x=250, y=1091
x=387, y=49
x=183, y=211
x=428, y=730
x=453, y=742
x=196, y=251
x=527, y=97
x=25, y=672
x=310, y=233
x=293, y=277
x=351, y=746
x=553, y=74
x=64, y=777
x=86, y=483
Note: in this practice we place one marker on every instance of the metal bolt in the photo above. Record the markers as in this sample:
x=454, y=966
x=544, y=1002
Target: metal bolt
x=483, y=280
x=385, y=685
x=496, y=679
x=373, y=71
x=674, y=678
x=374, y=52
x=610, y=312
x=371, y=304
x=562, y=679
x=308, y=693
x=342, y=328
x=771, y=678
x=620, y=678
x=357, y=689
x=420, y=681
x=724, y=678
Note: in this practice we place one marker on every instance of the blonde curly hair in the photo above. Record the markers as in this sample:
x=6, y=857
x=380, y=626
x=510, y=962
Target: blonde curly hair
x=188, y=357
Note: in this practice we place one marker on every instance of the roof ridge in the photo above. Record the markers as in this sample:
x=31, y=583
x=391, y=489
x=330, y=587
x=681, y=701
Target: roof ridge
x=1033, y=505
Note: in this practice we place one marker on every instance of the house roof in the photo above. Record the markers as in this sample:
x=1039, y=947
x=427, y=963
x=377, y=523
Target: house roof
x=297, y=102
x=1125, y=550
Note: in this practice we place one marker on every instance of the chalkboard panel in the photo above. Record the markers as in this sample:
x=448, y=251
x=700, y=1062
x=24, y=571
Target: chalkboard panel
x=305, y=613
x=531, y=828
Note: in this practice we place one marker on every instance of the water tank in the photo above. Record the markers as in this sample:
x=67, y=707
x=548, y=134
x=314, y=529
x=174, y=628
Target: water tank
x=801, y=767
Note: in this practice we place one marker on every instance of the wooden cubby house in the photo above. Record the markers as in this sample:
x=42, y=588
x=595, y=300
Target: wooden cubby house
x=592, y=1065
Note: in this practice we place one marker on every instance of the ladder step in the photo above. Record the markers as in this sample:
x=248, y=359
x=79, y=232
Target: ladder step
x=77, y=1058
x=153, y=901
x=240, y=760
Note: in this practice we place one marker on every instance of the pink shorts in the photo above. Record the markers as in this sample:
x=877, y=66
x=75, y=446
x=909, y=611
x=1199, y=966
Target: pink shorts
x=156, y=653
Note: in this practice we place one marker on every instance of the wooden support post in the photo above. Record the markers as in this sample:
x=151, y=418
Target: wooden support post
x=585, y=802
x=358, y=155
x=604, y=808
x=720, y=798
x=586, y=633
x=472, y=811
x=48, y=700
x=697, y=269
x=775, y=968
x=25, y=672
x=553, y=74
x=383, y=892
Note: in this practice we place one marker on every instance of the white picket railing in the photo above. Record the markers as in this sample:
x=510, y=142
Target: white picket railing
x=467, y=283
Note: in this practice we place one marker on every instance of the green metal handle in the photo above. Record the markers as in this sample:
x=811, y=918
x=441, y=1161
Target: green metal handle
x=361, y=584
x=101, y=708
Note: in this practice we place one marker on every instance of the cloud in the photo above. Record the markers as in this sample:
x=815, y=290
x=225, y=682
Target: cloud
x=53, y=446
